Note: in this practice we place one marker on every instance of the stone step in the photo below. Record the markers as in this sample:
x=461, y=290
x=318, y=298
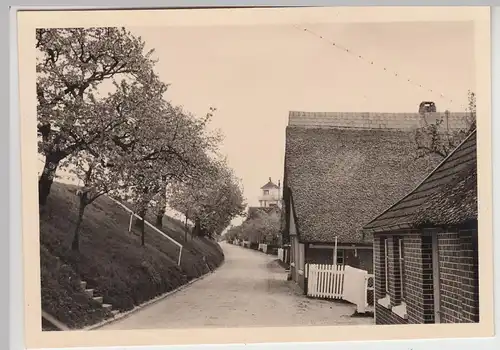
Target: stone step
x=107, y=307
x=89, y=292
x=83, y=284
x=99, y=299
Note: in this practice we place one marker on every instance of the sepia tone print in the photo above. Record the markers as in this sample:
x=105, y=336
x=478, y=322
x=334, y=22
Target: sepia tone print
x=320, y=174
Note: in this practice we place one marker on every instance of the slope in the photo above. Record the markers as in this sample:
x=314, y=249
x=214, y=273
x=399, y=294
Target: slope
x=111, y=260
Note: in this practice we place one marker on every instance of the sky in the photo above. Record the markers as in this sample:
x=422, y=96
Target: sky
x=254, y=75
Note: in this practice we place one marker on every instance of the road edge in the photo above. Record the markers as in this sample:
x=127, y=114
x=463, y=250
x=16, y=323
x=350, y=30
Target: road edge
x=128, y=313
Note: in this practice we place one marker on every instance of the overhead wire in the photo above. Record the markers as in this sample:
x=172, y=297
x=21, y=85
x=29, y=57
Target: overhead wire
x=347, y=50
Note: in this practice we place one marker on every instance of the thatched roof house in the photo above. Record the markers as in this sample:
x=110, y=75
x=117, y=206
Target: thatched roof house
x=339, y=178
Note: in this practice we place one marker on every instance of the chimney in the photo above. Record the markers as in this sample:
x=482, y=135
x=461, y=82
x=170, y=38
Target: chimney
x=279, y=184
x=270, y=180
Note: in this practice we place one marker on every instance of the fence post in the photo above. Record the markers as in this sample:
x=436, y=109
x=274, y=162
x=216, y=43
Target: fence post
x=180, y=255
x=130, y=221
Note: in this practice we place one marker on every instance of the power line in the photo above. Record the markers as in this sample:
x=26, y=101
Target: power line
x=371, y=62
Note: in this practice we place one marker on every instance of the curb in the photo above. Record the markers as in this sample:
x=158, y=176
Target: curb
x=128, y=313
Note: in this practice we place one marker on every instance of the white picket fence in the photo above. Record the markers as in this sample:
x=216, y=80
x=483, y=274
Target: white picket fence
x=339, y=282
x=280, y=254
x=325, y=281
x=262, y=247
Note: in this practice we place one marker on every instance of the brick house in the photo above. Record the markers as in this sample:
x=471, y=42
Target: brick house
x=425, y=247
x=342, y=169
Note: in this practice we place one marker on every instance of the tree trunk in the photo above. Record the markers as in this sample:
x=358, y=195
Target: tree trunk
x=159, y=220
x=75, y=245
x=159, y=215
x=47, y=177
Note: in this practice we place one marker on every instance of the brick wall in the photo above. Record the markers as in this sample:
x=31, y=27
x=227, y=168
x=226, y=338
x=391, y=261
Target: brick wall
x=458, y=269
x=418, y=273
x=382, y=314
x=419, y=279
x=379, y=267
x=470, y=276
x=386, y=316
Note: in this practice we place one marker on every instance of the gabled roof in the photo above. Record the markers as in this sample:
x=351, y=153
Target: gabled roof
x=269, y=185
x=341, y=177
x=447, y=196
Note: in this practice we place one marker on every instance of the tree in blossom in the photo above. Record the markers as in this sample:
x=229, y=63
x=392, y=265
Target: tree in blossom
x=212, y=202
x=167, y=147
x=437, y=139
x=101, y=172
x=71, y=66
x=261, y=227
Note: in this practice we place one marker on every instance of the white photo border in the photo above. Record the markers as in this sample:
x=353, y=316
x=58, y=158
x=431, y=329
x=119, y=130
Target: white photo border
x=11, y=332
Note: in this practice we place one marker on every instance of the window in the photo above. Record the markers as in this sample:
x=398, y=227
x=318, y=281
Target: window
x=266, y=192
x=399, y=265
x=386, y=265
x=386, y=300
x=340, y=257
x=401, y=268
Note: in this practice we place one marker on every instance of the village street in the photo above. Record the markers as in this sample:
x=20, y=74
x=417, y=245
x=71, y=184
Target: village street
x=249, y=289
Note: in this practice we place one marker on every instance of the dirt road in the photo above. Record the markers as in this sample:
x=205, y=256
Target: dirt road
x=250, y=289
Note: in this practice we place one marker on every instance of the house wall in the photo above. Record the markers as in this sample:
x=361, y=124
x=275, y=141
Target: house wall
x=272, y=197
x=319, y=255
x=297, y=269
x=458, y=276
x=418, y=269
x=361, y=258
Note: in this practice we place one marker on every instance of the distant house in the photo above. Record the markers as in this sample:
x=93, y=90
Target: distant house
x=271, y=195
x=341, y=170
x=425, y=247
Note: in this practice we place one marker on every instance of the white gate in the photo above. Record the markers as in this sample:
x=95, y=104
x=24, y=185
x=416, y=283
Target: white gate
x=325, y=281
x=356, y=287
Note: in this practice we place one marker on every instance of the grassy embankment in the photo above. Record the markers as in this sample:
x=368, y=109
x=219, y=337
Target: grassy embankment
x=111, y=259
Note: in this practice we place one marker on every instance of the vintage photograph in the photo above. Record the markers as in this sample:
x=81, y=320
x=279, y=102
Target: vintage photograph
x=270, y=175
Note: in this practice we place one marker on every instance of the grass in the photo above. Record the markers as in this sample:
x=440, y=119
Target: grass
x=111, y=259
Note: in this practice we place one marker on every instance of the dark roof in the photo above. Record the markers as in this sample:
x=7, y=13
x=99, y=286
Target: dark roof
x=447, y=196
x=341, y=178
x=269, y=185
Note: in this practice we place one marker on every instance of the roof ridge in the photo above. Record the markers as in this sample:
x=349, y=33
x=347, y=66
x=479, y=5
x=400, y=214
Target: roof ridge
x=373, y=120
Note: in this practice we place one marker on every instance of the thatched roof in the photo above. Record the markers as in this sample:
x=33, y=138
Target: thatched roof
x=447, y=196
x=340, y=178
